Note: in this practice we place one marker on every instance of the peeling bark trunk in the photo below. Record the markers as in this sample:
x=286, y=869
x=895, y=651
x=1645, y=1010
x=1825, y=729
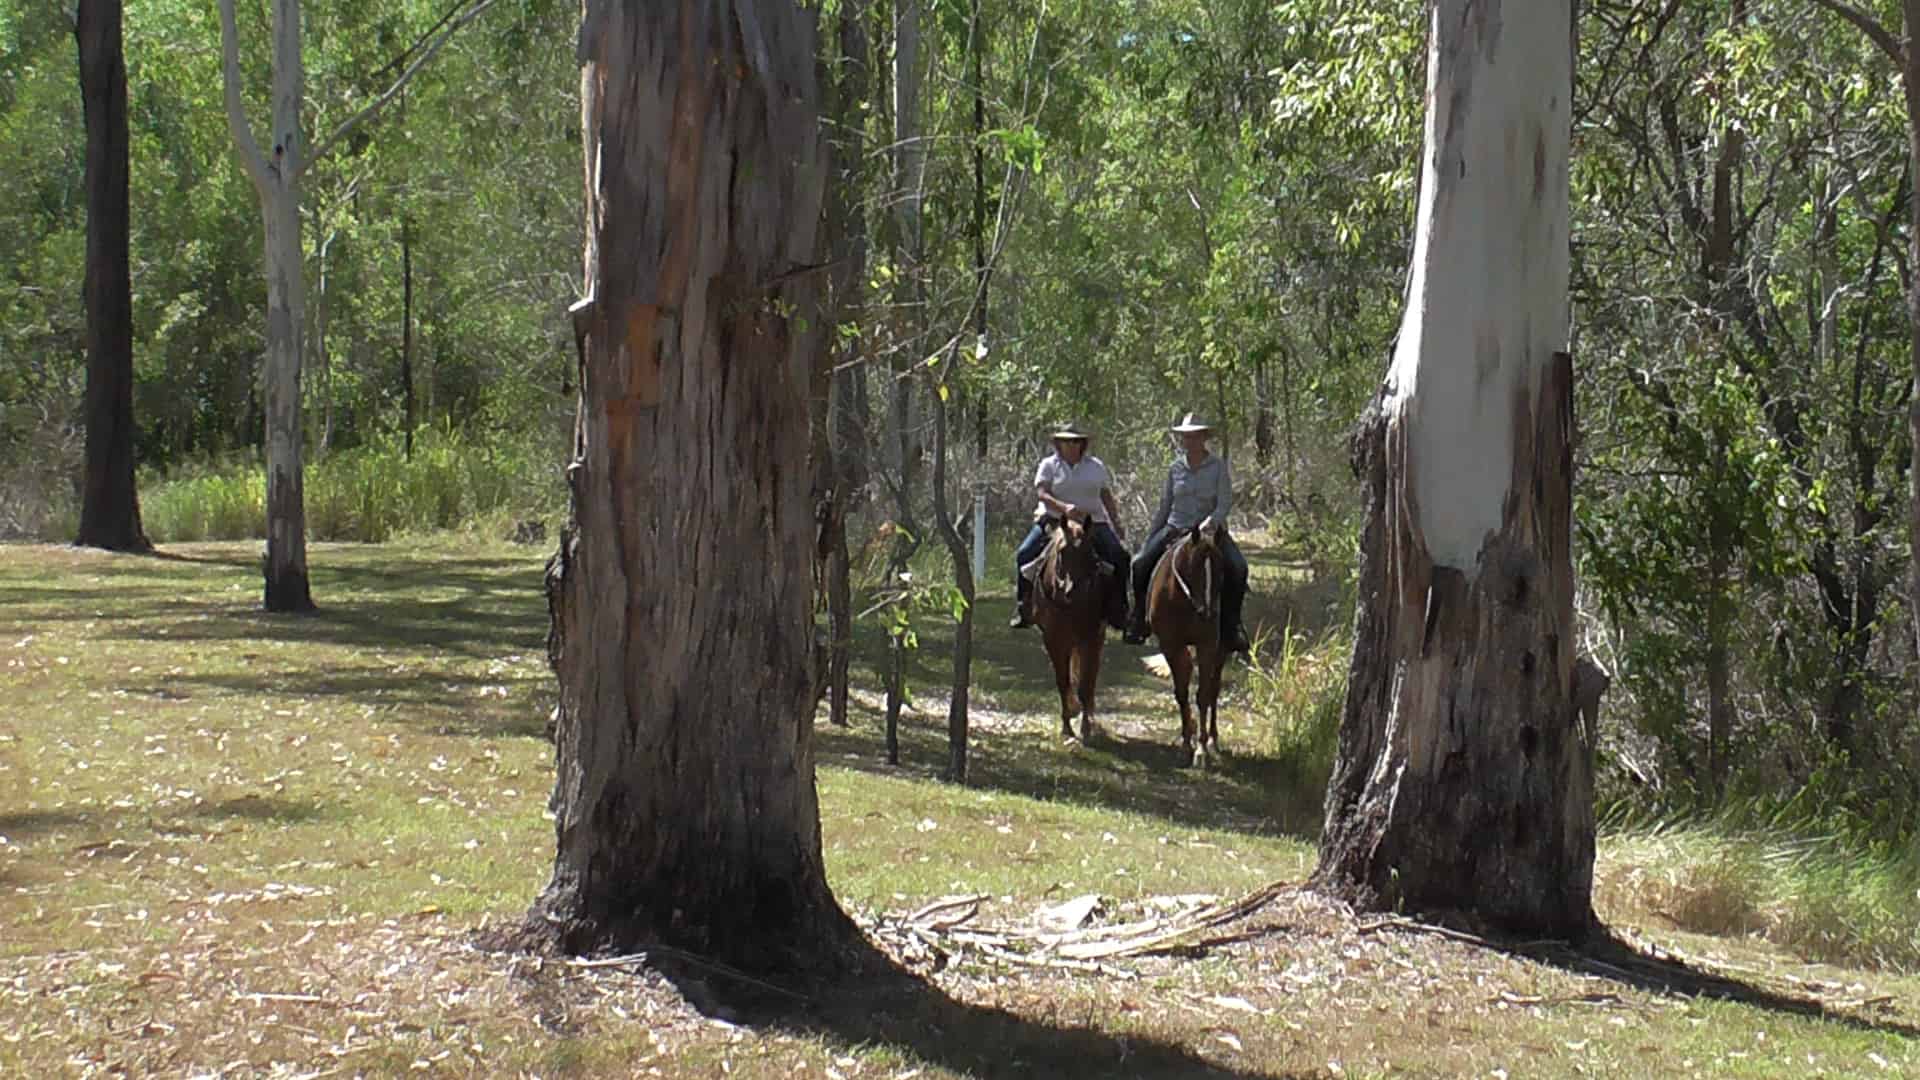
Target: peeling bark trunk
x=109, y=503
x=1462, y=781
x=685, y=807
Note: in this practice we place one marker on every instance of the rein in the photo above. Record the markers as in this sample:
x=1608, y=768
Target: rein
x=1203, y=607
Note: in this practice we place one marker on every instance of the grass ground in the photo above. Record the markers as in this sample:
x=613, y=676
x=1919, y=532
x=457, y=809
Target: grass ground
x=241, y=844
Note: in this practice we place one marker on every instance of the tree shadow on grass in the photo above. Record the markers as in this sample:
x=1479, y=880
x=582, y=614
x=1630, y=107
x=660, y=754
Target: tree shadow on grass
x=465, y=704
x=1609, y=956
x=886, y=1005
x=1243, y=793
x=121, y=822
x=482, y=620
x=1606, y=955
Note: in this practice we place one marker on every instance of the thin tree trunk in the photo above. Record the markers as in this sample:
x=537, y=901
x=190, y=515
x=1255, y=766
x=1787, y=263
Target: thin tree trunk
x=1462, y=781
x=320, y=317
x=1263, y=410
x=406, y=334
x=685, y=806
x=838, y=437
x=109, y=503
x=1719, y=701
x=908, y=319
x=1910, y=82
x=963, y=578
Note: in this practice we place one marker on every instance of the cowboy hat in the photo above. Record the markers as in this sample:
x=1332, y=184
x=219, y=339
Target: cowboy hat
x=1191, y=423
x=1069, y=431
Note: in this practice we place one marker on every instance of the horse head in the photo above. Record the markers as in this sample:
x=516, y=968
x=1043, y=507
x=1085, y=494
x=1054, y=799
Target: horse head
x=1070, y=561
x=1200, y=566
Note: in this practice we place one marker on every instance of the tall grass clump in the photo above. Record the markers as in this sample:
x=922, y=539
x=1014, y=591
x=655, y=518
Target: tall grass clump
x=1297, y=696
x=367, y=494
x=1812, y=893
x=222, y=500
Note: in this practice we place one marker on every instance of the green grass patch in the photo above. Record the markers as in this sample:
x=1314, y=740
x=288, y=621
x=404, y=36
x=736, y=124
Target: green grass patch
x=369, y=494
x=233, y=841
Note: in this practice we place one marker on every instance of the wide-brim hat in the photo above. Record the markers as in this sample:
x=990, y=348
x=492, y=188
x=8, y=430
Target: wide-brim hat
x=1191, y=423
x=1070, y=431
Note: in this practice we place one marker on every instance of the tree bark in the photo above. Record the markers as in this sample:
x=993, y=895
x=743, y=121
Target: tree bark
x=685, y=807
x=1462, y=782
x=276, y=179
x=109, y=502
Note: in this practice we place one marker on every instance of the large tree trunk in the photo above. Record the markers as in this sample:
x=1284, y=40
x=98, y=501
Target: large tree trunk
x=1462, y=782
x=109, y=504
x=685, y=808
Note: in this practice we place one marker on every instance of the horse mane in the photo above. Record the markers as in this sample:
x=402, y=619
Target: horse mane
x=1199, y=545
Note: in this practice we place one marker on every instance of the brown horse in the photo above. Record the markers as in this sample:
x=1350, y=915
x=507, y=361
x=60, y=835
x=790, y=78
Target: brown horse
x=1183, y=607
x=1069, y=599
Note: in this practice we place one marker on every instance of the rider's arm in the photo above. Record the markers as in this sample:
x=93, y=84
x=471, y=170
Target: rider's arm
x=1113, y=511
x=1059, y=507
x=1166, y=506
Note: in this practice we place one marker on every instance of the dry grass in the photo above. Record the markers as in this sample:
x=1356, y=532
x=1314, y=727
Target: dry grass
x=236, y=844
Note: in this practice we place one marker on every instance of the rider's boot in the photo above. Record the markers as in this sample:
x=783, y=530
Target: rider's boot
x=1022, y=607
x=1136, y=632
x=1116, y=607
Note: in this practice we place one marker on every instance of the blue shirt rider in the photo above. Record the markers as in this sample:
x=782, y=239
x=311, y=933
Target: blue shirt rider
x=1199, y=486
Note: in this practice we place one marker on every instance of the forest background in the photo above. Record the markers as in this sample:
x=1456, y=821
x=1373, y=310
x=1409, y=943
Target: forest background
x=1183, y=205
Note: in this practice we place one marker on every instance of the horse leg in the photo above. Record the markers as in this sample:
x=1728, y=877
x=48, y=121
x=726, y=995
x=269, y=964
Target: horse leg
x=1180, y=666
x=1060, y=653
x=1089, y=678
x=1211, y=660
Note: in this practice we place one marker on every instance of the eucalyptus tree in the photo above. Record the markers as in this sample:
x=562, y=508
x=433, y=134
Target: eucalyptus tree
x=277, y=174
x=1747, y=369
x=685, y=806
x=1905, y=57
x=1462, y=779
x=109, y=505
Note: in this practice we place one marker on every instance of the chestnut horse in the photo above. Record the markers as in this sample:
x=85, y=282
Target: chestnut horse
x=1183, y=608
x=1069, y=600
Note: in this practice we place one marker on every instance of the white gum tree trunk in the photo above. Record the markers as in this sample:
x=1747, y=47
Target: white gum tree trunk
x=276, y=178
x=1463, y=782
x=276, y=173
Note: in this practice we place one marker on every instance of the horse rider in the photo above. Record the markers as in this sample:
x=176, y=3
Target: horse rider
x=1072, y=482
x=1198, y=487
